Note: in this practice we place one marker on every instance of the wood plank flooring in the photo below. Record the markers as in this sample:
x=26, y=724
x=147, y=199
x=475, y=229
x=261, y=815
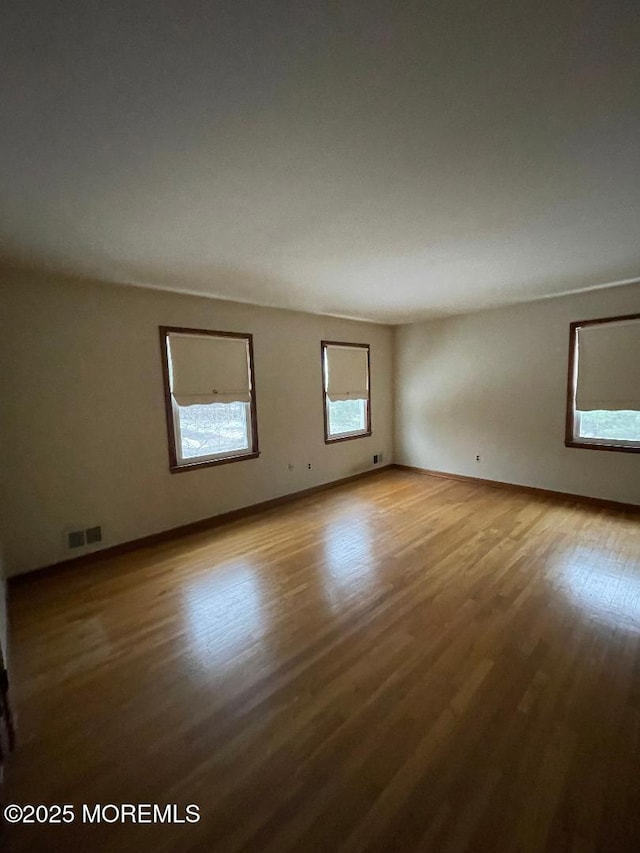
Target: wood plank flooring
x=401, y=664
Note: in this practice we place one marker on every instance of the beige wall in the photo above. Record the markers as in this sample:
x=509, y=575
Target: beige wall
x=494, y=383
x=83, y=418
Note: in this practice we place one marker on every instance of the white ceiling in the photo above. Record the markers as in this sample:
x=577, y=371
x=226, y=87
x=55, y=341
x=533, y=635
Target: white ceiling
x=382, y=160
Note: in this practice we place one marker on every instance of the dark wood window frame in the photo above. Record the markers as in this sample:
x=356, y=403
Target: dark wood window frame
x=570, y=429
x=174, y=465
x=327, y=438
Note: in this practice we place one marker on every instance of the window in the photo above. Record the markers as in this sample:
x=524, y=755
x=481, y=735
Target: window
x=210, y=397
x=345, y=391
x=603, y=400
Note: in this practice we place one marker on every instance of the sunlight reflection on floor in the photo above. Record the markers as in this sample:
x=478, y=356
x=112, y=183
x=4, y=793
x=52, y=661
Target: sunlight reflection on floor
x=606, y=590
x=350, y=567
x=225, y=614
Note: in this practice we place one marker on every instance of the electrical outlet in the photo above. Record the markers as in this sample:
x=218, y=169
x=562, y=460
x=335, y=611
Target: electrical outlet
x=477, y=457
x=309, y=465
x=376, y=458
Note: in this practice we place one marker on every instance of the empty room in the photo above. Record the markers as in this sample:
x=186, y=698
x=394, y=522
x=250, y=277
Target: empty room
x=320, y=427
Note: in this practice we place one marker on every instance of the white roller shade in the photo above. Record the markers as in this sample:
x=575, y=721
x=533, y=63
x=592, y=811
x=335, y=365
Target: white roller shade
x=609, y=367
x=207, y=369
x=348, y=373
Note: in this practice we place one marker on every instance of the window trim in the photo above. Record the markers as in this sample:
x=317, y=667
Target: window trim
x=175, y=466
x=570, y=439
x=328, y=439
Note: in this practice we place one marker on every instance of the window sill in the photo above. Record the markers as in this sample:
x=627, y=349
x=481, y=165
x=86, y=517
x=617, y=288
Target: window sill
x=191, y=466
x=588, y=445
x=329, y=440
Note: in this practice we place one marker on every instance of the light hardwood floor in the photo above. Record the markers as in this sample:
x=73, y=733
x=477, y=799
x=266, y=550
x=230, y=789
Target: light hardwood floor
x=400, y=664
